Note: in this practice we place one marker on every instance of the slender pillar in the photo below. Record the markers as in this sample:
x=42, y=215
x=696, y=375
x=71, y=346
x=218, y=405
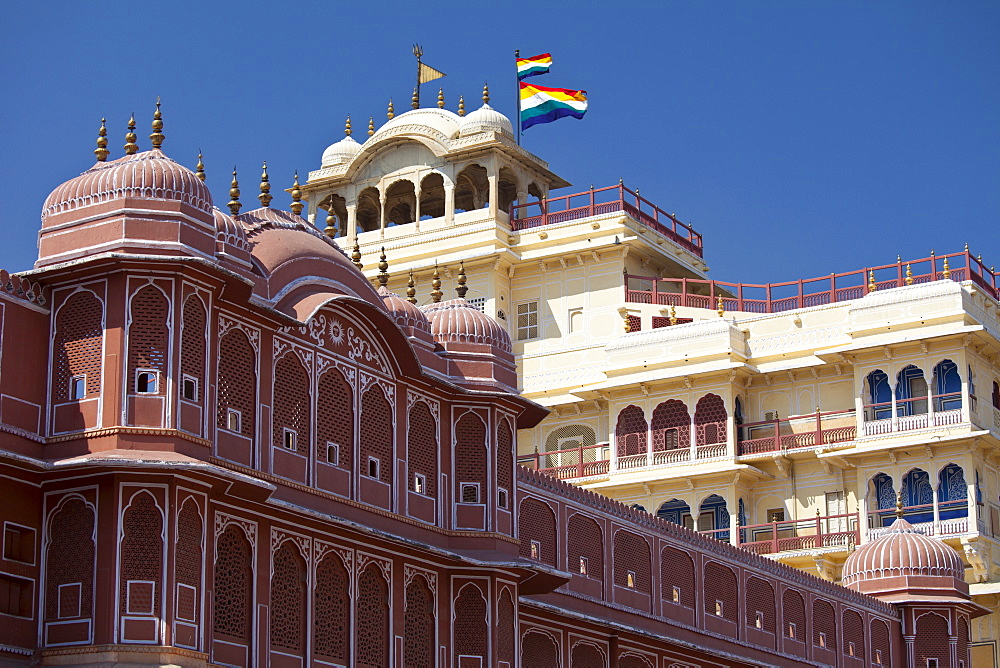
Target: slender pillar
x=449, y=203
x=352, y=223
x=937, y=509
x=494, y=180
x=416, y=209
x=381, y=215
x=313, y=208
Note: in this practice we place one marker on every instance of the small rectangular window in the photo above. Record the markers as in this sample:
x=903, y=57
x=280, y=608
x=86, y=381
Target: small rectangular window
x=332, y=453
x=139, y=597
x=822, y=639
x=677, y=594
x=758, y=620
x=878, y=657
x=187, y=603
x=233, y=419
x=502, y=498
x=932, y=663
x=419, y=483
x=536, y=550
x=78, y=387
x=288, y=439
x=791, y=630
x=583, y=565
x=146, y=381
x=69, y=600
x=527, y=321
x=15, y=596
x=18, y=543
x=630, y=580
x=189, y=388
x=850, y=649
x=373, y=467
x=718, y=608
x=470, y=492
x=776, y=515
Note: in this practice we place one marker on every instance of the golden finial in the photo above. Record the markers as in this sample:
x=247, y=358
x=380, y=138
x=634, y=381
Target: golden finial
x=461, y=289
x=436, y=285
x=980, y=258
x=966, y=246
x=331, y=222
x=720, y=307
x=200, y=168
x=234, y=193
x=411, y=290
x=157, y=137
x=371, y=125
x=909, y=274
x=946, y=274
x=673, y=315
x=415, y=100
x=356, y=256
x=102, y=143
x=872, y=287
x=486, y=93
x=347, y=127
x=296, y=193
x=461, y=106
x=391, y=114
x=440, y=98
x=627, y=322
x=265, y=188
x=130, y=146
x=899, y=504
x=383, y=267
x=899, y=260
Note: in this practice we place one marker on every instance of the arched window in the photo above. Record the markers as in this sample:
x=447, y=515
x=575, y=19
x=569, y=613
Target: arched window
x=418, y=625
x=332, y=612
x=794, y=621
x=148, y=339
x=585, y=655
x=422, y=451
x=472, y=188
x=470, y=624
x=505, y=627
x=632, y=562
x=878, y=396
x=291, y=427
x=710, y=420
x=188, y=553
x=630, y=432
x=141, y=557
x=537, y=531
x=677, y=577
x=713, y=515
x=882, y=496
x=288, y=600
x=880, y=643
x=911, y=391
x=78, y=350
x=432, y=196
x=539, y=650
x=400, y=203
x=671, y=426
x=916, y=491
x=947, y=386
x=506, y=189
x=372, y=638
x=760, y=605
x=505, y=464
x=996, y=395
x=932, y=640
x=376, y=435
x=854, y=634
x=720, y=591
x=676, y=511
x=69, y=562
x=193, y=321
x=953, y=493
x=233, y=595
x=369, y=213
x=824, y=626
x=237, y=394
x=470, y=459
x=585, y=547
x=335, y=421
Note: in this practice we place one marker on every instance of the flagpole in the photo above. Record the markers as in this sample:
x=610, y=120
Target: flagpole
x=417, y=51
x=517, y=118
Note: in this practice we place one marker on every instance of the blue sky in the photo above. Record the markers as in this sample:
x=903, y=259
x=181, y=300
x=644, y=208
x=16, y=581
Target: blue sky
x=799, y=137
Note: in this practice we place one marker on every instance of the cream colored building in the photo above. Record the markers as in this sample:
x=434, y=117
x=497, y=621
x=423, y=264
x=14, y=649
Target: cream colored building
x=796, y=411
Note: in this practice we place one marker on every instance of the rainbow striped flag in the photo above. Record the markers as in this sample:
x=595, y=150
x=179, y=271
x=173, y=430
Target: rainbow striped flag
x=540, y=104
x=529, y=67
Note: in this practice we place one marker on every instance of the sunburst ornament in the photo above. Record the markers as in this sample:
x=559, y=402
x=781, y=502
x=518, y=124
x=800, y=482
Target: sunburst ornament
x=336, y=332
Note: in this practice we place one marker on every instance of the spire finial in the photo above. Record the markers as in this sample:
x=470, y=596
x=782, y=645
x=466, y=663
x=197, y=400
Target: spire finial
x=899, y=504
x=157, y=137
x=720, y=307
x=947, y=270
x=909, y=274
x=966, y=246
x=673, y=315
x=331, y=221
x=200, y=168
x=872, y=286
x=391, y=113
x=130, y=146
x=627, y=322
x=440, y=98
x=296, y=194
x=462, y=289
x=265, y=188
x=486, y=93
x=356, y=256
x=234, y=194
x=371, y=125
x=461, y=106
x=102, y=142
x=436, y=285
x=411, y=289
x=415, y=100
x=383, y=269
x=347, y=127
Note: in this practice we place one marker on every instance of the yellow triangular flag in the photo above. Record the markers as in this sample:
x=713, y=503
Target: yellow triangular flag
x=428, y=73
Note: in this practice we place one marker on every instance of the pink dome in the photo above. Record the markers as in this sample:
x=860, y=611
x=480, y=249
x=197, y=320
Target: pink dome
x=458, y=321
x=147, y=175
x=228, y=231
x=903, y=558
x=407, y=315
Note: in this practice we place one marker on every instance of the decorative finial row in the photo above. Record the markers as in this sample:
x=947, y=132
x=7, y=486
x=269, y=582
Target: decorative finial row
x=461, y=106
x=156, y=138
x=356, y=256
x=296, y=196
x=200, y=168
x=347, y=127
x=462, y=289
x=102, y=142
x=265, y=188
x=486, y=93
x=436, y=293
x=130, y=146
x=234, y=194
x=383, y=269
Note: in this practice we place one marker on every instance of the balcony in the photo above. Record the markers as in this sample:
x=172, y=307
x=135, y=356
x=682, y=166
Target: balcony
x=946, y=518
x=803, y=431
x=601, y=201
x=829, y=531
x=804, y=293
x=902, y=415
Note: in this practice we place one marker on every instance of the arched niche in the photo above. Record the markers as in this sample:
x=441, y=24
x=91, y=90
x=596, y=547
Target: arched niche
x=336, y=205
x=432, y=199
x=506, y=189
x=369, y=210
x=472, y=188
x=400, y=203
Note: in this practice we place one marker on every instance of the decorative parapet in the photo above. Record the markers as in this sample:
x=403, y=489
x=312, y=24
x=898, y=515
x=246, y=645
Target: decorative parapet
x=704, y=338
x=22, y=288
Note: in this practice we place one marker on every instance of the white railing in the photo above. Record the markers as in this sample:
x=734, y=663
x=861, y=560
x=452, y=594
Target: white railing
x=948, y=417
x=632, y=461
x=671, y=456
x=911, y=422
x=710, y=451
x=952, y=527
x=878, y=427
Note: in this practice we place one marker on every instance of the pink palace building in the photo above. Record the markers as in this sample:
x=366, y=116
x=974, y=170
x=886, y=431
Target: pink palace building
x=221, y=445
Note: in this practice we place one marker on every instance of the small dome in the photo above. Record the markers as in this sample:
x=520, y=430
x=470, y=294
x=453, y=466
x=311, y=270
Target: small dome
x=486, y=119
x=443, y=121
x=458, y=321
x=903, y=551
x=407, y=315
x=148, y=175
x=228, y=231
x=340, y=152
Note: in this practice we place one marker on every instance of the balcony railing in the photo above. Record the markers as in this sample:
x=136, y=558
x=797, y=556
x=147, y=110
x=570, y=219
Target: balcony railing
x=912, y=414
x=922, y=517
x=600, y=201
x=778, y=297
x=809, y=534
x=803, y=431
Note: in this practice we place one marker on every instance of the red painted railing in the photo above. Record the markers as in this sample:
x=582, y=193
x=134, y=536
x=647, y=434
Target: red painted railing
x=570, y=463
x=777, y=297
x=787, y=433
x=599, y=201
x=820, y=531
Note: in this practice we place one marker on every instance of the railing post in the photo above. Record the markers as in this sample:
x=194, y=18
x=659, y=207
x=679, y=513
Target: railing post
x=802, y=299
x=767, y=287
x=819, y=428
x=777, y=434
x=899, y=272
x=684, y=291
x=579, y=461
x=591, y=199
x=739, y=299
x=774, y=535
x=819, y=530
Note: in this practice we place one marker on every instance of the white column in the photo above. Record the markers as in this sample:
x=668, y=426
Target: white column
x=863, y=518
x=895, y=418
x=937, y=510
x=352, y=223
x=694, y=440
x=494, y=180
x=381, y=215
x=973, y=506
x=416, y=210
x=311, y=211
x=449, y=203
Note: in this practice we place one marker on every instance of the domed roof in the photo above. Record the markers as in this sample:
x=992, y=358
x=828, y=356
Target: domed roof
x=147, y=175
x=444, y=121
x=340, y=152
x=458, y=321
x=903, y=551
x=229, y=231
x=486, y=119
x=407, y=315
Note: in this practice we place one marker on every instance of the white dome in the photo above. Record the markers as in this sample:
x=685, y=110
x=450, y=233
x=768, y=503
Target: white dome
x=486, y=119
x=340, y=152
x=444, y=121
